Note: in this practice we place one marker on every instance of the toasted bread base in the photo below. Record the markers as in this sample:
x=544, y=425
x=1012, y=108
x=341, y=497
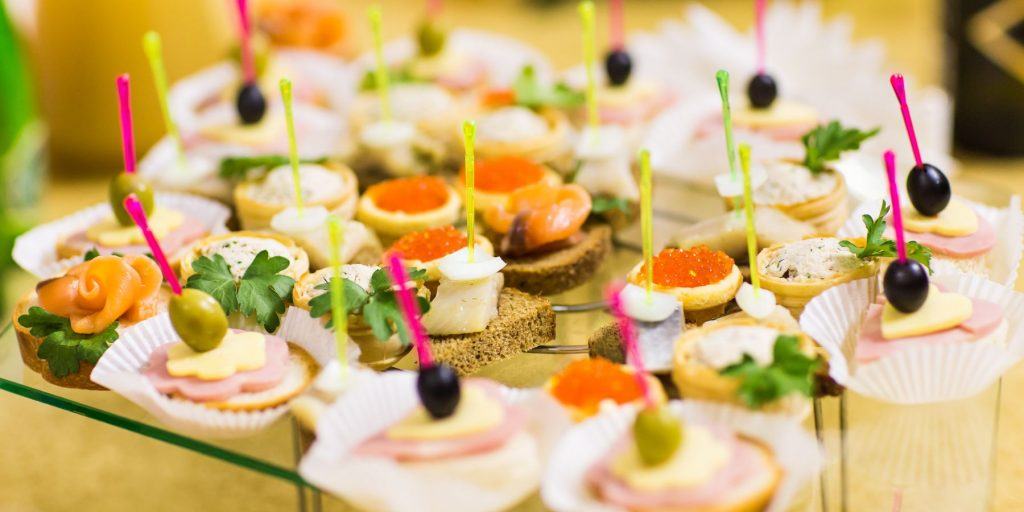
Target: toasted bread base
x=561, y=270
x=302, y=369
x=524, y=321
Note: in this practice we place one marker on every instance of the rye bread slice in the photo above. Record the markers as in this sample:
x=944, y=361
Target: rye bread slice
x=524, y=321
x=561, y=270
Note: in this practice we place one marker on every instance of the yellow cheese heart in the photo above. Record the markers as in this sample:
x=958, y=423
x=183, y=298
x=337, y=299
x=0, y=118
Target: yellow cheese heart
x=940, y=311
x=476, y=412
x=957, y=219
x=699, y=458
x=269, y=129
x=110, y=233
x=781, y=113
x=238, y=352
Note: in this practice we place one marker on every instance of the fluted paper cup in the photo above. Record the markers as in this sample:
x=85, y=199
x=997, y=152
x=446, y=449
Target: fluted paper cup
x=373, y=483
x=565, y=487
x=917, y=375
x=1002, y=261
x=120, y=370
x=36, y=250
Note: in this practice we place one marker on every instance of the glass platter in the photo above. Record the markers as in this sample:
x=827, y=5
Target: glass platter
x=918, y=458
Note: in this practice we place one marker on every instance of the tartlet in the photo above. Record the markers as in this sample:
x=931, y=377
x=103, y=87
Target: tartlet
x=498, y=177
x=819, y=199
x=239, y=248
x=586, y=386
x=332, y=186
x=425, y=249
x=396, y=207
x=798, y=271
x=701, y=353
x=543, y=136
x=703, y=281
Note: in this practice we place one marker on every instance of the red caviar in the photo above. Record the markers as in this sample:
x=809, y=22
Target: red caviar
x=688, y=268
x=585, y=383
x=410, y=195
x=505, y=174
x=430, y=244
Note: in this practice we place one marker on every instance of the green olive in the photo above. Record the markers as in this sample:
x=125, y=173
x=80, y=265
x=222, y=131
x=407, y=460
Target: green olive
x=431, y=38
x=120, y=187
x=198, y=319
x=658, y=434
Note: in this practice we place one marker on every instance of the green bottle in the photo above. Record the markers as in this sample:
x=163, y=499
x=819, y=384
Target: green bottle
x=22, y=139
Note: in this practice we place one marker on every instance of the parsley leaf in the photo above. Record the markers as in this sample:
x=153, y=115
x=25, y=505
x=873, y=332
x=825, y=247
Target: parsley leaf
x=244, y=167
x=63, y=349
x=825, y=142
x=529, y=92
x=395, y=76
x=90, y=254
x=791, y=371
x=604, y=204
x=262, y=292
x=213, y=276
x=876, y=246
x=379, y=307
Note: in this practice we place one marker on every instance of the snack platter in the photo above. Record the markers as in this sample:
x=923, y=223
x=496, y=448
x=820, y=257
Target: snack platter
x=460, y=276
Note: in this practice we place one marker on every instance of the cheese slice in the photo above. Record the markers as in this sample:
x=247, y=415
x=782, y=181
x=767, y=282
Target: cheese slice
x=696, y=461
x=477, y=412
x=238, y=352
x=940, y=311
x=110, y=233
x=957, y=219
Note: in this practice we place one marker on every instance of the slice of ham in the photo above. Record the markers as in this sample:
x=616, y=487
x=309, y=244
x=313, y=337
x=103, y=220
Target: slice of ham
x=712, y=125
x=189, y=231
x=380, y=445
x=871, y=346
x=745, y=465
x=474, y=73
x=637, y=112
x=198, y=390
x=976, y=244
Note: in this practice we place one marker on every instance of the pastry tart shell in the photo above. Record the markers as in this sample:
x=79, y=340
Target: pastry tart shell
x=390, y=226
x=553, y=148
x=255, y=214
x=699, y=303
x=299, y=259
x=794, y=295
x=826, y=213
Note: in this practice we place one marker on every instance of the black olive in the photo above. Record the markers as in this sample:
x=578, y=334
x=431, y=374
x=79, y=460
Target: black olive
x=618, y=65
x=762, y=90
x=928, y=189
x=906, y=285
x=439, y=390
x=250, y=103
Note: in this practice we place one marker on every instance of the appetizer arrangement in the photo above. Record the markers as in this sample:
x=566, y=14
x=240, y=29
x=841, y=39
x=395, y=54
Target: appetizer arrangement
x=460, y=203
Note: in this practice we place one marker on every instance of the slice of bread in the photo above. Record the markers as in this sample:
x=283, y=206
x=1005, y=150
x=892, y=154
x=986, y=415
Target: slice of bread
x=561, y=270
x=524, y=321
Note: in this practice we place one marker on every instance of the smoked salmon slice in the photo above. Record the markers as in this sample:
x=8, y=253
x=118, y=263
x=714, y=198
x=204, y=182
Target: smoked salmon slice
x=546, y=213
x=96, y=293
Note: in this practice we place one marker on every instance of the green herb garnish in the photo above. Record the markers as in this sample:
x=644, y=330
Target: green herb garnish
x=876, y=246
x=604, y=204
x=825, y=143
x=529, y=92
x=395, y=76
x=791, y=371
x=90, y=254
x=262, y=292
x=379, y=307
x=63, y=349
x=239, y=168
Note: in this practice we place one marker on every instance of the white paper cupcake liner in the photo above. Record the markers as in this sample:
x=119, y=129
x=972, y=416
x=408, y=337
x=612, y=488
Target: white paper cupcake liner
x=565, y=488
x=36, y=250
x=1002, y=261
x=922, y=374
x=503, y=57
x=372, y=483
x=120, y=370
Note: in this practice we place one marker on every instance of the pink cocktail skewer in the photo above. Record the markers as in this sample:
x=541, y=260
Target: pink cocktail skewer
x=897, y=213
x=135, y=211
x=124, y=99
x=759, y=13
x=618, y=37
x=248, y=68
x=629, y=341
x=901, y=95
x=410, y=310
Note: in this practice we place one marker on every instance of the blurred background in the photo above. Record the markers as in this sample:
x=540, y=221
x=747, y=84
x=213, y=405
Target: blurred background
x=59, y=143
